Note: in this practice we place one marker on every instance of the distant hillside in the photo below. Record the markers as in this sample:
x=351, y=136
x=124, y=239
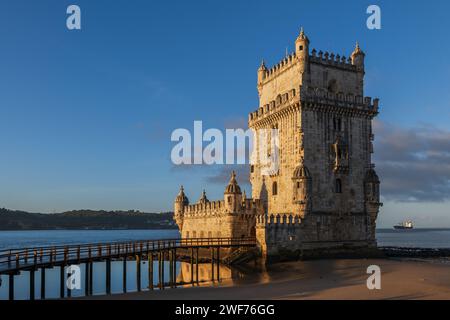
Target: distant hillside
x=85, y=219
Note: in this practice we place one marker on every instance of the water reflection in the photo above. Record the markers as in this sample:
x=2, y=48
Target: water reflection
x=183, y=277
x=206, y=273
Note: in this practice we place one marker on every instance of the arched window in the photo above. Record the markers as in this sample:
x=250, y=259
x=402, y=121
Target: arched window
x=194, y=234
x=338, y=186
x=274, y=188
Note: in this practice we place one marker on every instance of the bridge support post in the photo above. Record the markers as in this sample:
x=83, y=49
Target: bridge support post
x=192, y=265
x=175, y=266
x=218, y=264
x=124, y=275
x=170, y=257
x=32, y=283
x=61, y=281
x=159, y=271
x=91, y=278
x=138, y=273
x=11, y=286
x=86, y=278
x=42, y=283
x=163, y=257
x=196, y=265
x=150, y=270
x=212, y=264
x=108, y=276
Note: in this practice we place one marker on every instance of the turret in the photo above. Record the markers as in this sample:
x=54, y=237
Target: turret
x=302, y=54
x=302, y=46
x=262, y=72
x=180, y=202
x=358, y=57
x=302, y=188
x=233, y=195
x=203, y=199
x=261, y=76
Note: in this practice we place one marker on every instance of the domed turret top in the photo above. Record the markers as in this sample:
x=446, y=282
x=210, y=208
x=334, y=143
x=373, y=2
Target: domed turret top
x=181, y=197
x=203, y=198
x=263, y=65
x=233, y=186
x=301, y=171
x=357, y=50
x=302, y=35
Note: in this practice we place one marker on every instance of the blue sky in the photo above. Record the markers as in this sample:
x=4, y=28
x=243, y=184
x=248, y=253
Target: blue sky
x=86, y=116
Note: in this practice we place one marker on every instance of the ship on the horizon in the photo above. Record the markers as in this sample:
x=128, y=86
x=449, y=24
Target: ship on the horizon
x=404, y=225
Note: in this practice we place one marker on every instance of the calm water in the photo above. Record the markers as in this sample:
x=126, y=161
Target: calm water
x=26, y=239
x=420, y=238
x=426, y=238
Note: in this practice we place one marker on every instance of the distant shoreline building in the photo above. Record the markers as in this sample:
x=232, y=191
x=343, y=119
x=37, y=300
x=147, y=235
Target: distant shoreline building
x=324, y=198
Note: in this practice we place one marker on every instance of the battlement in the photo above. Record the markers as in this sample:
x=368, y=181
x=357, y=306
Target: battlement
x=282, y=100
x=248, y=206
x=332, y=60
x=314, y=95
x=287, y=62
x=326, y=58
x=340, y=99
x=211, y=207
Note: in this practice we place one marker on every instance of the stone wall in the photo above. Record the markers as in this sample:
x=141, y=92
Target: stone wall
x=218, y=226
x=317, y=235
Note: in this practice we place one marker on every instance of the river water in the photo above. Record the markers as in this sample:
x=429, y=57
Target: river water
x=425, y=238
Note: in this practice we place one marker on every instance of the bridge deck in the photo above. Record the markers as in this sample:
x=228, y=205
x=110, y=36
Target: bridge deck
x=15, y=260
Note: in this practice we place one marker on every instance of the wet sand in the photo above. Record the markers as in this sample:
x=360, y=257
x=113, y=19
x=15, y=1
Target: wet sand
x=320, y=279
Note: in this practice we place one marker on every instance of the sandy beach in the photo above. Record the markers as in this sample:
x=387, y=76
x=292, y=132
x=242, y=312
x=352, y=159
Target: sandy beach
x=320, y=279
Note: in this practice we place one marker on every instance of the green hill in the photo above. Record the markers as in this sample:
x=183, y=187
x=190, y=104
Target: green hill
x=85, y=219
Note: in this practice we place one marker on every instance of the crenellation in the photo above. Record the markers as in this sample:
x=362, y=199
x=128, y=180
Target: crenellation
x=341, y=99
x=332, y=60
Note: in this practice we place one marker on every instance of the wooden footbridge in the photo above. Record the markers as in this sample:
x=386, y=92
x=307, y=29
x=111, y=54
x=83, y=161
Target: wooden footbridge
x=15, y=261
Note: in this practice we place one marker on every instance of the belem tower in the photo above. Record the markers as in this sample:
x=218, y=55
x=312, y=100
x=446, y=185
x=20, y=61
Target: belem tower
x=324, y=198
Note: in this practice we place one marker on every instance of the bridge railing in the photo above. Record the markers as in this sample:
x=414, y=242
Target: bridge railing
x=17, y=259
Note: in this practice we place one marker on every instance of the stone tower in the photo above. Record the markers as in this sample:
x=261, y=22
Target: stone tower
x=324, y=197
